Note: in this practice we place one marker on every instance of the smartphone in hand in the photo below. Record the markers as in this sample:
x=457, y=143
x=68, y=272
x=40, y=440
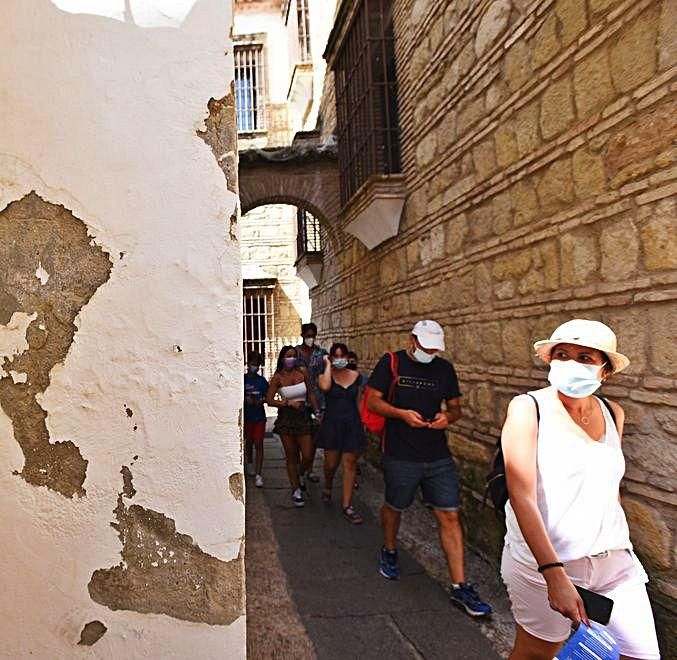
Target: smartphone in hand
x=597, y=607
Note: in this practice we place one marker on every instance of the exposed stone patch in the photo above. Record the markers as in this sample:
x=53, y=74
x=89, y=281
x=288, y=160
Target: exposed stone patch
x=32, y=232
x=92, y=633
x=236, y=485
x=128, y=489
x=165, y=572
x=221, y=135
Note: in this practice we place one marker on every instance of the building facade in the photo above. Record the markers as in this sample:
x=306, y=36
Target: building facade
x=279, y=72
x=504, y=166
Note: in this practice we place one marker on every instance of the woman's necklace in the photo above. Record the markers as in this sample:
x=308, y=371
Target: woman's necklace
x=583, y=417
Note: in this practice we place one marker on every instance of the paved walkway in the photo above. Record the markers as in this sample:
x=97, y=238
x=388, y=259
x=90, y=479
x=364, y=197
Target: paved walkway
x=334, y=593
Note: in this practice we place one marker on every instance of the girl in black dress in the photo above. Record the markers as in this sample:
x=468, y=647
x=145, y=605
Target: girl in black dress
x=341, y=434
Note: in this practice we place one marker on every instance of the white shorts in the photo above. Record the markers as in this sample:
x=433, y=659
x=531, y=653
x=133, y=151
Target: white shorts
x=617, y=574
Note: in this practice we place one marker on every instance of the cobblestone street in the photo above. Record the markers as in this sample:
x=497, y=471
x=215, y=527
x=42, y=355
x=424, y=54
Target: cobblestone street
x=313, y=589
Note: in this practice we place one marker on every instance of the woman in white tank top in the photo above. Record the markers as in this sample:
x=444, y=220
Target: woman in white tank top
x=565, y=524
x=291, y=392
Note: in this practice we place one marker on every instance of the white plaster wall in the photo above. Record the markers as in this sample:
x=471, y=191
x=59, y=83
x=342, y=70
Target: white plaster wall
x=99, y=114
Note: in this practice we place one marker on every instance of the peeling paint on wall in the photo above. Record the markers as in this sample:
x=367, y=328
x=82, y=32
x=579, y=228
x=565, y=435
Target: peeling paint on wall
x=236, y=485
x=92, y=633
x=42, y=326
x=221, y=135
x=165, y=572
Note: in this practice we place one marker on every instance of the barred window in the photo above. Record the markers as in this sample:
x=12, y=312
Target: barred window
x=250, y=93
x=366, y=98
x=307, y=234
x=304, y=30
x=258, y=327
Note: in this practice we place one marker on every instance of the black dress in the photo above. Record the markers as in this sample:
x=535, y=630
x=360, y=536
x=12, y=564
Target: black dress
x=341, y=427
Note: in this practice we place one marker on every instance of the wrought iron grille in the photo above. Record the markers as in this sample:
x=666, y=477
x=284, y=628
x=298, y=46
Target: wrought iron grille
x=366, y=98
x=304, y=30
x=250, y=91
x=258, y=322
x=307, y=234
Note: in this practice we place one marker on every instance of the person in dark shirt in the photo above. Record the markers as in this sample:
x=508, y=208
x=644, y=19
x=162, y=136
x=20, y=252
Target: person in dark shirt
x=255, y=390
x=425, y=400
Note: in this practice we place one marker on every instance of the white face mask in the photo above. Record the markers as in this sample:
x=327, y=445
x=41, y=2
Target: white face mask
x=309, y=341
x=422, y=356
x=575, y=379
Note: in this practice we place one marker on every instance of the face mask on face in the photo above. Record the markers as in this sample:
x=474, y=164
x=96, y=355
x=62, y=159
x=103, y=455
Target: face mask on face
x=339, y=363
x=352, y=366
x=422, y=356
x=575, y=379
x=290, y=362
x=253, y=370
x=309, y=341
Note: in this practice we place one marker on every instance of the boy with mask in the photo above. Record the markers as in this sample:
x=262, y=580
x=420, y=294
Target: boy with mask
x=255, y=390
x=415, y=451
x=311, y=356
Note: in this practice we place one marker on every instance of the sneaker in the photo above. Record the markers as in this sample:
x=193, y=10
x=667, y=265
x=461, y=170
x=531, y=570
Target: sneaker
x=302, y=483
x=466, y=597
x=297, y=498
x=258, y=481
x=313, y=478
x=388, y=567
x=251, y=470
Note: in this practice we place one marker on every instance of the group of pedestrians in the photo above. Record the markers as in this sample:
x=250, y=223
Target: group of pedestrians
x=561, y=448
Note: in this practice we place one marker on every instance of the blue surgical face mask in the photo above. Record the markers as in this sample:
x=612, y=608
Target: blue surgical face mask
x=422, y=356
x=339, y=363
x=253, y=369
x=575, y=379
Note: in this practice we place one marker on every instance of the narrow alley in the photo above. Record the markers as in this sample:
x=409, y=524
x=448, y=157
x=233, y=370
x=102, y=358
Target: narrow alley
x=313, y=588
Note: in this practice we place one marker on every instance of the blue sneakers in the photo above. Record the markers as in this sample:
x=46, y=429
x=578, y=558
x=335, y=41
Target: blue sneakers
x=387, y=566
x=465, y=597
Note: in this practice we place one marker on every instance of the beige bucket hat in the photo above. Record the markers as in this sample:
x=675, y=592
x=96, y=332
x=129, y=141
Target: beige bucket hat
x=583, y=332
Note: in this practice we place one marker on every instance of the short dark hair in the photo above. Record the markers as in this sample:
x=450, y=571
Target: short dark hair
x=280, y=357
x=352, y=355
x=338, y=346
x=253, y=356
x=308, y=326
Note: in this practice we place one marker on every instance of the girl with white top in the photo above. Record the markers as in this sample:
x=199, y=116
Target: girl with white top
x=290, y=388
x=565, y=524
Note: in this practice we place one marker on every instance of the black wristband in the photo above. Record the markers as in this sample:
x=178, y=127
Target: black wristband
x=545, y=567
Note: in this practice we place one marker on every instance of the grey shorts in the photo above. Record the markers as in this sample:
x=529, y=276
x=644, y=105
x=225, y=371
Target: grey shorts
x=439, y=482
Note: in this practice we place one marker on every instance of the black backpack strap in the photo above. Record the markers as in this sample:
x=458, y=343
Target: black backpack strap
x=610, y=409
x=538, y=412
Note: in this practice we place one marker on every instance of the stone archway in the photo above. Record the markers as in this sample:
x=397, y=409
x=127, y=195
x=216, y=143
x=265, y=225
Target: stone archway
x=303, y=176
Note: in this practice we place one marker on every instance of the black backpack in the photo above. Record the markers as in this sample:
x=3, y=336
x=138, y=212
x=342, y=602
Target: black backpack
x=496, y=484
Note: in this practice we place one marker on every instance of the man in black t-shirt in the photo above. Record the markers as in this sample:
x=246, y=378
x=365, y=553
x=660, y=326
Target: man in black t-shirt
x=425, y=400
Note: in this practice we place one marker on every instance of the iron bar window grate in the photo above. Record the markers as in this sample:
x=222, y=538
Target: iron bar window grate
x=366, y=98
x=250, y=92
x=304, y=30
x=307, y=234
x=258, y=322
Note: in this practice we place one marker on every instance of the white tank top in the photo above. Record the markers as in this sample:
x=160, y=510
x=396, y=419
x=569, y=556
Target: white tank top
x=577, y=486
x=294, y=392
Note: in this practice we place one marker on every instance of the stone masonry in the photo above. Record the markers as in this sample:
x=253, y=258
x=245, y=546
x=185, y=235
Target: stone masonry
x=538, y=148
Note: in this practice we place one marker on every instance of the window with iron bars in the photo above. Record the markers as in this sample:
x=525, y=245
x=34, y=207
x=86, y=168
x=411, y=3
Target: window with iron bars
x=250, y=91
x=307, y=234
x=366, y=98
x=304, y=30
x=258, y=322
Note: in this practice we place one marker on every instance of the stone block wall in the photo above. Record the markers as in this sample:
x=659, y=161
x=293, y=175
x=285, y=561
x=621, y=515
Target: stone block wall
x=538, y=147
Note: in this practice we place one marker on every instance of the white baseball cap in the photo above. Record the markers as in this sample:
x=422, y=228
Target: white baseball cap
x=583, y=332
x=429, y=334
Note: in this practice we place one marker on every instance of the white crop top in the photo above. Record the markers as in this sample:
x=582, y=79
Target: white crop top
x=294, y=392
x=577, y=486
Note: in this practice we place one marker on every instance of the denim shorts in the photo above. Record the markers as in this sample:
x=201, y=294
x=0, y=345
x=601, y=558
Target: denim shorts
x=439, y=482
